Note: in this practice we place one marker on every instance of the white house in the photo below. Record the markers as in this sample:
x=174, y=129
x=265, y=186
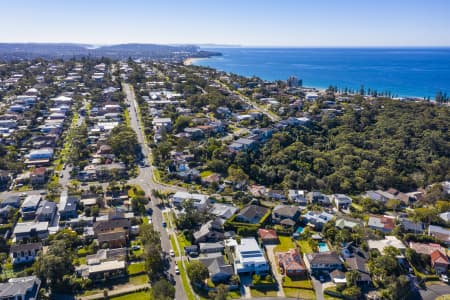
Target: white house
x=249, y=258
x=341, y=201
x=199, y=200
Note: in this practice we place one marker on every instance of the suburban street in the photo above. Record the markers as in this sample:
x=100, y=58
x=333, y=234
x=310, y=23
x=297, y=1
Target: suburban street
x=146, y=181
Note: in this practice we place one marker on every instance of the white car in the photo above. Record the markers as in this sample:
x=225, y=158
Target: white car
x=150, y=221
x=172, y=253
x=177, y=270
x=444, y=278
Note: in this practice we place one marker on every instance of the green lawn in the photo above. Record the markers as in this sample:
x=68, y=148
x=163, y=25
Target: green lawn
x=186, y=285
x=182, y=241
x=134, y=296
x=138, y=279
x=357, y=207
x=136, y=268
x=299, y=293
x=286, y=243
x=174, y=245
x=303, y=283
x=206, y=173
x=261, y=293
x=234, y=294
x=305, y=247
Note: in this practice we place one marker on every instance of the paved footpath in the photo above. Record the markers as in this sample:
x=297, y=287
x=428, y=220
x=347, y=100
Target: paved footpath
x=124, y=290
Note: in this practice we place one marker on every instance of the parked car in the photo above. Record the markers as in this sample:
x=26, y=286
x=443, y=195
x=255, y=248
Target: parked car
x=444, y=278
x=177, y=270
x=172, y=253
x=136, y=247
x=164, y=224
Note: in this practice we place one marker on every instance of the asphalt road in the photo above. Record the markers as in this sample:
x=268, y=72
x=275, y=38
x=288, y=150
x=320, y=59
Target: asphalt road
x=434, y=291
x=146, y=181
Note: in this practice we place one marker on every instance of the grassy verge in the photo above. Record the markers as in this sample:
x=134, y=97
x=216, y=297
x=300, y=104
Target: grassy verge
x=187, y=287
x=299, y=293
x=182, y=241
x=174, y=245
x=261, y=293
x=133, y=296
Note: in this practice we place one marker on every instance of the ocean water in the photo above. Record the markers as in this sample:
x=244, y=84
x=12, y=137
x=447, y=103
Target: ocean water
x=419, y=72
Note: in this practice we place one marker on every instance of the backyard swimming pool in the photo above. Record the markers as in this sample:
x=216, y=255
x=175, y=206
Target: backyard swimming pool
x=323, y=247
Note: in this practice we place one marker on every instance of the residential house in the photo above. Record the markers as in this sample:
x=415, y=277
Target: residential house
x=199, y=201
x=24, y=253
x=67, y=207
x=278, y=195
x=439, y=261
x=316, y=220
x=257, y=190
x=359, y=264
x=318, y=198
x=224, y=211
x=323, y=262
x=243, y=144
x=383, y=223
x=28, y=230
x=350, y=224
x=107, y=255
x=30, y=206
x=211, y=247
x=219, y=271
x=439, y=233
x=103, y=271
x=13, y=201
x=211, y=231
x=116, y=238
x=341, y=201
x=37, y=176
x=378, y=195
x=298, y=197
x=291, y=263
x=437, y=253
x=252, y=214
x=21, y=288
x=283, y=212
x=388, y=241
x=111, y=225
x=414, y=227
x=268, y=236
x=249, y=258
x=445, y=216
x=46, y=211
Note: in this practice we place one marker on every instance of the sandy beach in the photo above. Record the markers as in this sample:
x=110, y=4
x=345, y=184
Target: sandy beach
x=191, y=60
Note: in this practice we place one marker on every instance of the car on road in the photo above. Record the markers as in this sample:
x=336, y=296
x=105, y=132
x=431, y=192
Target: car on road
x=136, y=247
x=23, y=195
x=321, y=278
x=164, y=224
x=172, y=253
x=177, y=270
x=150, y=220
x=444, y=278
x=43, y=193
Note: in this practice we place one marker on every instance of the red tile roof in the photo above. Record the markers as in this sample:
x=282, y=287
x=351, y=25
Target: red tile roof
x=438, y=257
x=267, y=234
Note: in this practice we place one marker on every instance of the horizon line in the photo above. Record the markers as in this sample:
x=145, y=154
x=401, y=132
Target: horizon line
x=219, y=45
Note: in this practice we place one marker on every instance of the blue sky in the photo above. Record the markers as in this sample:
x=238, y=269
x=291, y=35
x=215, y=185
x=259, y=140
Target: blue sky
x=243, y=22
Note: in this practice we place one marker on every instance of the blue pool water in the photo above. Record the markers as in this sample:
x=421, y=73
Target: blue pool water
x=419, y=72
x=323, y=247
x=299, y=230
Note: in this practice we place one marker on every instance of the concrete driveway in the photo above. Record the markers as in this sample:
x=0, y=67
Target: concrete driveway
x=275, y=269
